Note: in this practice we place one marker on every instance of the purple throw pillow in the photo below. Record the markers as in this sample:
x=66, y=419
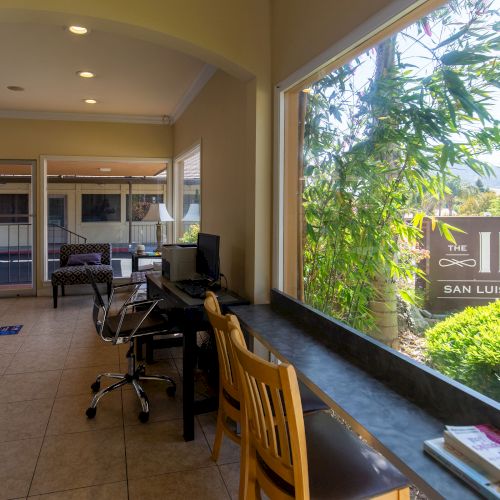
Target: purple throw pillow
x=79, y=259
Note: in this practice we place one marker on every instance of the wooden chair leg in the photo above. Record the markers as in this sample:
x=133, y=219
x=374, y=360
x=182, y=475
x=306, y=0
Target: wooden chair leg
x=219, y=432
x=54, y=295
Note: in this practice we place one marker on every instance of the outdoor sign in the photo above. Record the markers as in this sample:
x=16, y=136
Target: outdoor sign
x=466, y=273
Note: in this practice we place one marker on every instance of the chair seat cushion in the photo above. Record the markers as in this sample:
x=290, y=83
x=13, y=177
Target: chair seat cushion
x=76, y=275
x=341, y=466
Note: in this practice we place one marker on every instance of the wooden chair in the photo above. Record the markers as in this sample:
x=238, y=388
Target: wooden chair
x=228, y=416
x=335, y=464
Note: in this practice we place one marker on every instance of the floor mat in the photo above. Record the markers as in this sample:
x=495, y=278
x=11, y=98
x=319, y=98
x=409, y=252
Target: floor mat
x=10, y=330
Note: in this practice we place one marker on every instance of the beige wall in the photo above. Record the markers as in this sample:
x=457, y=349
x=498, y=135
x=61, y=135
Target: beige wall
x=218, y=116
x=28, y=139
x=302, y=30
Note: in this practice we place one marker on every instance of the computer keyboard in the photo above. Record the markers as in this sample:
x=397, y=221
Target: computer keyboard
x=194, y=288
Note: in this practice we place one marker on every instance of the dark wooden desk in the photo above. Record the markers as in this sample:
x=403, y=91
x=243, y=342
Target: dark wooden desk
x=189, y=314
x=347, y=370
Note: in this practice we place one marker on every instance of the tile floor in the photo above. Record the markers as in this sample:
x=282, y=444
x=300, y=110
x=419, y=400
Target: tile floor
x=48, y=447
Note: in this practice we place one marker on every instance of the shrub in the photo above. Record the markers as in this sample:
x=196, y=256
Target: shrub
x=466, y=347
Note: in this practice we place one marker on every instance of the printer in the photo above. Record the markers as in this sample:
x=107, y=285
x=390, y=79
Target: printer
x=178, y=262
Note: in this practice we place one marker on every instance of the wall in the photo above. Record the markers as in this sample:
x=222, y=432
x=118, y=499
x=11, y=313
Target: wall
x=302, y=30
x=218, y=116
x=28, y=139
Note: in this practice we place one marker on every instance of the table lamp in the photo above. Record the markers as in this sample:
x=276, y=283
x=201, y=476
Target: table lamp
x=158, y=212
x=193, y=213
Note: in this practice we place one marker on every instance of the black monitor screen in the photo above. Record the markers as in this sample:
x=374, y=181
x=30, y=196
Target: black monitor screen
x=207, y=256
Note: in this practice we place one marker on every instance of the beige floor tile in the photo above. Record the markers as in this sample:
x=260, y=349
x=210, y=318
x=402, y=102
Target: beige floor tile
x=231, y=476
x=27, y=386
x=37, y=361
x=75, y=381
x=10, y=344
x=203, y=484
x=89, y=340
x=230, y=451
x=24, y=419
x=93, y=356
x=78, y=460
x=45, y=343
x=18, y=459
x=161, y=406
x=5, y=360
x=68, y=414
x=113, y=491
x=158, y=448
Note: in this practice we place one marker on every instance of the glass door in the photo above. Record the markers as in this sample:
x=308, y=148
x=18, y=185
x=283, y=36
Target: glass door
x=17, y=227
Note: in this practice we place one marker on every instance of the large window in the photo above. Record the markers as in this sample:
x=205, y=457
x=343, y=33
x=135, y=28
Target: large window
x=14, y=208
x=101, y=208
x=141, y=204
x=382, y=156
x=188, y=195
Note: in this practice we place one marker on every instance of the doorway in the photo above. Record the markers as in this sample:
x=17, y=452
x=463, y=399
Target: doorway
x=17, y=227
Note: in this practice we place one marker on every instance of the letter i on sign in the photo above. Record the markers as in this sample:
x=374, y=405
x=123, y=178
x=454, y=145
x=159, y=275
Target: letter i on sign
x=484, y=252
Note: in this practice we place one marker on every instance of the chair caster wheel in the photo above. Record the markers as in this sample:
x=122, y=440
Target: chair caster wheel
x=144, y=416
x=95, y=386
x=90, y=412
x=171, y=391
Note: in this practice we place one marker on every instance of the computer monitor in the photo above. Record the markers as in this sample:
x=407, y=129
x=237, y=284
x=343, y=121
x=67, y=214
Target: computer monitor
x=207, y=256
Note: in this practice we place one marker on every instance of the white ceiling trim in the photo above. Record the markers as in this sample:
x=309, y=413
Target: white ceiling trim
x=206, y=73
x=85, y=117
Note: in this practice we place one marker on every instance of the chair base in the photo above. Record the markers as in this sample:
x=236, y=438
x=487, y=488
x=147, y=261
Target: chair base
x=133, y=377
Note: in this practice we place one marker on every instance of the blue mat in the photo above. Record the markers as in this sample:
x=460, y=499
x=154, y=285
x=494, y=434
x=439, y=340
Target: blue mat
x=10, y=330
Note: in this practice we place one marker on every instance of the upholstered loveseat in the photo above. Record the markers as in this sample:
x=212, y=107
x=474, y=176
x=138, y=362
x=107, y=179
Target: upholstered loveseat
x=75, y=274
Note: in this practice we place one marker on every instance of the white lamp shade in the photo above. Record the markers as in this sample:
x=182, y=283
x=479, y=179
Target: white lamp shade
x=157, y=213
x=193, y=213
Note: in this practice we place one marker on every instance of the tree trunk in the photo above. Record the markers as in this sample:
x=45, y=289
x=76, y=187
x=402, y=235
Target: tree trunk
x=384, y=304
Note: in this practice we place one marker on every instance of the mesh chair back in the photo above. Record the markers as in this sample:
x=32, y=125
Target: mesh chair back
x=100, y=309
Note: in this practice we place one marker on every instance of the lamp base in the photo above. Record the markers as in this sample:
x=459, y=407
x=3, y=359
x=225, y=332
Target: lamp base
x=159, y=238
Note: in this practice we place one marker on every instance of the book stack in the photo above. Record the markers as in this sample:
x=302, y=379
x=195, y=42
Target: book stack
x=473, y=453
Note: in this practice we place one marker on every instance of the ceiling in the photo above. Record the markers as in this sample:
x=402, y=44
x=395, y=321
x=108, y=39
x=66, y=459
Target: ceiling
x=133, y=77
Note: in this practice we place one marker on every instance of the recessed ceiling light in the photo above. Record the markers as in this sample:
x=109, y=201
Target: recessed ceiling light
x=90, y=101
x=104, y=169
x=15, y=88
x=78, y=30
x=85, y=74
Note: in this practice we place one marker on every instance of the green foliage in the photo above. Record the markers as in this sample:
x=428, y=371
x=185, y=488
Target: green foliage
x=369, y=150
x=466, y=347
x=477, y=204
x=494, y=206
x=191, y=235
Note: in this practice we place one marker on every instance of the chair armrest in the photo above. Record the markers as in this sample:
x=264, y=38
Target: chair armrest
x=129, y=283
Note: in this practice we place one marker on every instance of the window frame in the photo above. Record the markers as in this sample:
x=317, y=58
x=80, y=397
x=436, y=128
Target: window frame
x=178, y=184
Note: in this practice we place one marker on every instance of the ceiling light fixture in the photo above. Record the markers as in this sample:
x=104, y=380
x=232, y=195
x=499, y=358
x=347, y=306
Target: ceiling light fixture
x=104, y=169
x=85, y=74
x=15, y=88
x=78, y=30
x=90, y=101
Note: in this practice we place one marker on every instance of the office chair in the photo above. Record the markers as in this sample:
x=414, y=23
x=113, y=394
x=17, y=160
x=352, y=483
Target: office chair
x=135, y=318
x=289, y=455
x=228, y=415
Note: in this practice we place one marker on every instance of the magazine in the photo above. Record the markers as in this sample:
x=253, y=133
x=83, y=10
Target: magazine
x=464, y=468
x=480, y=443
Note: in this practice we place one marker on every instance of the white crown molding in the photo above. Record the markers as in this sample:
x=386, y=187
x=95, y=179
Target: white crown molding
x=205, y=74
x=85, y=117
